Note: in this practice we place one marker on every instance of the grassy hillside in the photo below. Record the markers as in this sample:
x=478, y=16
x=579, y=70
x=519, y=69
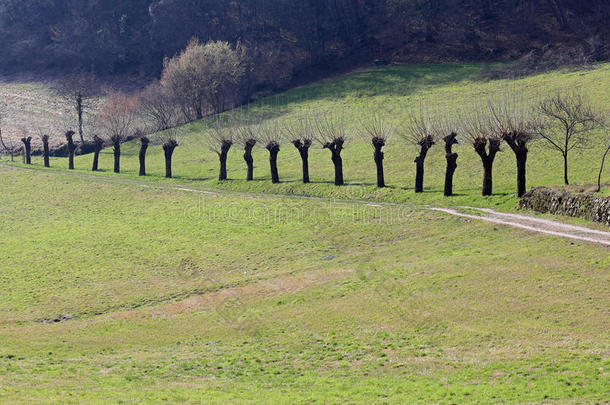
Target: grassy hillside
x=120, y=289
x=224, y=298
x=392, y=90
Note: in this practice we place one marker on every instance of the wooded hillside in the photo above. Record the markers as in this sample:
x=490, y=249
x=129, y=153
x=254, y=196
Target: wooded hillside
x=287, y=39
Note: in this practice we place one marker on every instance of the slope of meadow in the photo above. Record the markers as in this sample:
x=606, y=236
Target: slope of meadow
x=223, y=298
x=391, y=91
x=120, y=289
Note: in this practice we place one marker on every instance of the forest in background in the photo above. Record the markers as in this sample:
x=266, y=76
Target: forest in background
x=290, y=41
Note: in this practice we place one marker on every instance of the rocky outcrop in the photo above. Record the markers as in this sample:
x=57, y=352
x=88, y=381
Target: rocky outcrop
x=588, y=206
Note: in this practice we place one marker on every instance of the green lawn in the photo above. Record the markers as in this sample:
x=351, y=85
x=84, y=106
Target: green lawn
x=254, y=294
x=229, y=298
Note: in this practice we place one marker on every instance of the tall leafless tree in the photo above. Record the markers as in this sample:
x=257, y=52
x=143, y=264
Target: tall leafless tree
x=80, y=91
x=158, y=107
x=569, y=118
x=478, y=129
x=513, y=119
x=301, y=134
x=604, y=155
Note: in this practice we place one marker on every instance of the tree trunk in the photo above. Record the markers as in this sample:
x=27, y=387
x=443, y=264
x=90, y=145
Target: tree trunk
x=335, y=147
x=142, y=155
x=96, y=157
x=45, y=150
x=274, y=149
x=117, y=157
x=601, y=170
x=519, y=148
x=487, y=177
x=303, y=148
x=27, y=143
x=305, y=164
x=98, y=144
x=79, y=110
x=338, y=162
x=71, y=148
x=521, y=172
x=451, y=166
x=248, y=158
x=224, y=151
x=424, y=145
x=451, y=158
x=565, y=169
x=168, y=148
x=378, y=144
x=488, y=160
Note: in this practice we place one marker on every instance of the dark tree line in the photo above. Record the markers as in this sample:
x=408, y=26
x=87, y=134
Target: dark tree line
x=286, y=38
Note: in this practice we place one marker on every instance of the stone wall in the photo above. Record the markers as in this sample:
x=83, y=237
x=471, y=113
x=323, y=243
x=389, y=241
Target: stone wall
x=588, y=206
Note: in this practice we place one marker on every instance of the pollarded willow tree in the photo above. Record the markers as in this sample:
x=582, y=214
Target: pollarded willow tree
x=513, y=119
x=44, y=139
x=444, y=127
x=117, y=119
x=301, y=134
x=219, y=139
x=71, y=148
x=247, y=137
x=270, y=136
x=379, y=131
x=144, y=141
x=27, y=145
x=170, y=143
x=332, y=133
x=98, y=145
x=486, y=143
x=419, y=131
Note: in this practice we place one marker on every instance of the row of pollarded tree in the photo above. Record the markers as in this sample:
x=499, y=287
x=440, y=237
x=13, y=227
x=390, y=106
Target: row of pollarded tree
x=563, y=121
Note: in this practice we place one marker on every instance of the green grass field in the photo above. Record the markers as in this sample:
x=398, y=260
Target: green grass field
x=250, y=293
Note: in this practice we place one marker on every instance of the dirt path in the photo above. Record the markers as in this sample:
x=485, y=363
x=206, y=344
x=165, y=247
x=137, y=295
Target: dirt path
x=534, y=224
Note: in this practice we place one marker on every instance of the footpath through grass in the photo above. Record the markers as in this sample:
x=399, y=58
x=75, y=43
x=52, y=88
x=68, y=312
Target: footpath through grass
x=217, y=298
